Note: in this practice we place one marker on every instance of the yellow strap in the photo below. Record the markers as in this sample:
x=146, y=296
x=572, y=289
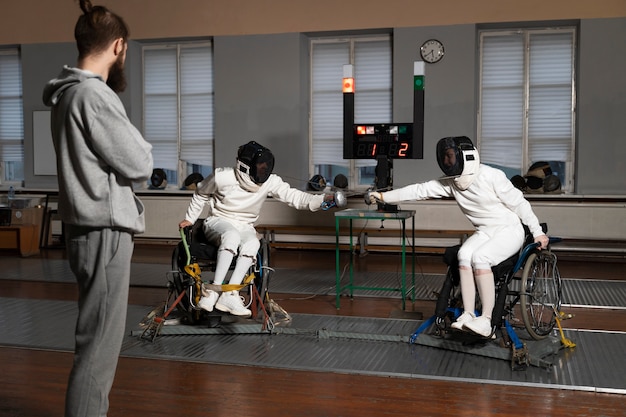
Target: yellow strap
x=193, y=270
x=566, y=342
x=231, y=287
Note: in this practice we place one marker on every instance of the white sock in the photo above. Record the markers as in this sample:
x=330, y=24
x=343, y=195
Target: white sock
x=224, y=259
x=241, y=267
x=468, y=290
x=487, y=292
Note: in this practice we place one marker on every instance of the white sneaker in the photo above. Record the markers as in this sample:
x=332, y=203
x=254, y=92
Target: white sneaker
x=231, y=302
x=466, y=317
x=207, y=302
x=481, y=326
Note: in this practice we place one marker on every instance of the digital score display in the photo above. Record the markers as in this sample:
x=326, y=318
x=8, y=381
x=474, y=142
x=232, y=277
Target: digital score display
x=393, y=141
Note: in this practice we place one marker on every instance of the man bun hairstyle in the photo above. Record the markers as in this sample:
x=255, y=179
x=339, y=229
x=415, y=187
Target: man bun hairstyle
x=96, y=28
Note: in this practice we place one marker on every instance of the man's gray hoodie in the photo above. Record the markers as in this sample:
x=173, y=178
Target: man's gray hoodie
x=99, y=153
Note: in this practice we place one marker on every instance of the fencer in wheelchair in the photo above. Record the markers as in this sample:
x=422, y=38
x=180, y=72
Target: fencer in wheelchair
x=234, y=197
x=496, y=209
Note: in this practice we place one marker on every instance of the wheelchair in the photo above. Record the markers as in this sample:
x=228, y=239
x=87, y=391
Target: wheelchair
x=194, y=256
x=528, y=294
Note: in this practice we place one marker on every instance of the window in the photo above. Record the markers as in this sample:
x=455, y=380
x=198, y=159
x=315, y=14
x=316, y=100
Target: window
x=371, y=58
x=527, y=101
x=11, y=118
x=178, y=108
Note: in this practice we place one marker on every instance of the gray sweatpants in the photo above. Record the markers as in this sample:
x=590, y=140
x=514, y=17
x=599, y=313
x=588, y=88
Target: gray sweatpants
x=100, y=260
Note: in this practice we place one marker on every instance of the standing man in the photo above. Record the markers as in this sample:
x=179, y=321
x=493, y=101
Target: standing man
x=99, y=156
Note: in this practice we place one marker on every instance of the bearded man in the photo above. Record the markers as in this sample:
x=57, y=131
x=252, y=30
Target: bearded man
x=99, y=155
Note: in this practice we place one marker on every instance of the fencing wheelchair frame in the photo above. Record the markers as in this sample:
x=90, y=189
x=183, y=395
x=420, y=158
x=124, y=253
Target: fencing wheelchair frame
x=537, y=290
x=192, y=256
x=194, y=249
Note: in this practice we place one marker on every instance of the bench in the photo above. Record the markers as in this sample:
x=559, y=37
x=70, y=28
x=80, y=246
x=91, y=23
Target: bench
x=368, y=239
x=427, y=241
x=591, y=248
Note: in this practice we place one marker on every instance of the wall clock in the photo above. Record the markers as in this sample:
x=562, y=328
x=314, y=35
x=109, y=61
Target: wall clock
x=432, y=51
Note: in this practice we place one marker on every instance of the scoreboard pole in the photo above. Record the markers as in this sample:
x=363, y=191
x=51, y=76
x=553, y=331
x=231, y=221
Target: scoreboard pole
x=418, y=110
x=348, y=109
x=417, y=139
x=384, y=167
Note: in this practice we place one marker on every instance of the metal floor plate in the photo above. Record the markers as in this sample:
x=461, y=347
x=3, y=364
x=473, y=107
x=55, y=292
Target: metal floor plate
x=596, y=364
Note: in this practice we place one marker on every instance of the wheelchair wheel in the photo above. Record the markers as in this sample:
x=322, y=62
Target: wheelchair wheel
x=262, y=273
x=179, y=282
x=540, y=297
x=264, y=270
x=177, y=257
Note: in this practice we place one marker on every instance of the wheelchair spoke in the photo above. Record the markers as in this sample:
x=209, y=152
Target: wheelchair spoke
x=541, y=294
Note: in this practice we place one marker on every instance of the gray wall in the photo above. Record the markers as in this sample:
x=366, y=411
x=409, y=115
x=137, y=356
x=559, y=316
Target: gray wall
x=449, y=90
x=262, y=93
x=40, y=63
x=601, y=156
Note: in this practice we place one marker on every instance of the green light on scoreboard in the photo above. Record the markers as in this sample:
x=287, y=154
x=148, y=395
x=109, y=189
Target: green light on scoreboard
x=418, y=82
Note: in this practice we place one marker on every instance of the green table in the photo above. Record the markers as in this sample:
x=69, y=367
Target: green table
x=356, y=214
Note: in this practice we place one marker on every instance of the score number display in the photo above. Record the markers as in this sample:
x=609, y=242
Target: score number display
x=393, y=141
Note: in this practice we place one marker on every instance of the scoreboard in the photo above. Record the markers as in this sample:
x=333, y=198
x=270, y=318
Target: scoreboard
x=392, y=140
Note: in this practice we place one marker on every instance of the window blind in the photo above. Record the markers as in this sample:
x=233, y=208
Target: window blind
x=502, y=100
x=328, y=60
x=161, y=105
x=196, y=102
x=550, y=113
x=11, y=108
x=178, y=104
x=527, y=98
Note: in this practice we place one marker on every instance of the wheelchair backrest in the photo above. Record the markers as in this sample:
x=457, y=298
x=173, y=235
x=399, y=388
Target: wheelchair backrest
x=200, y=248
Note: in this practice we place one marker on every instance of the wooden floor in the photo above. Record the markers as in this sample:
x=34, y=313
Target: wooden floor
x=33, y=381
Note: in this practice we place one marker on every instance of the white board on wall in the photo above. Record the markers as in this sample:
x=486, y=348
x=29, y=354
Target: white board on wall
x=45, y=157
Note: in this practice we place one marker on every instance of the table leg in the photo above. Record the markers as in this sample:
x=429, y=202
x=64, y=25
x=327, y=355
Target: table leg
x=403, y=284
x=351, y=285
x=337, y=265
x=413, y=259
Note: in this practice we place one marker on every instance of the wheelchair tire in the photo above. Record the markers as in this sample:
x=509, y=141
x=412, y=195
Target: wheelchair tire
x=540, y=298
x=445, y=295
x=262, y=272
x=176, y=257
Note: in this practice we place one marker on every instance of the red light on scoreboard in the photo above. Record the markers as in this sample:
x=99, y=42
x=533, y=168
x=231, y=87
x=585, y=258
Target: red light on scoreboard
x=365, y=130
x=348, y=85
